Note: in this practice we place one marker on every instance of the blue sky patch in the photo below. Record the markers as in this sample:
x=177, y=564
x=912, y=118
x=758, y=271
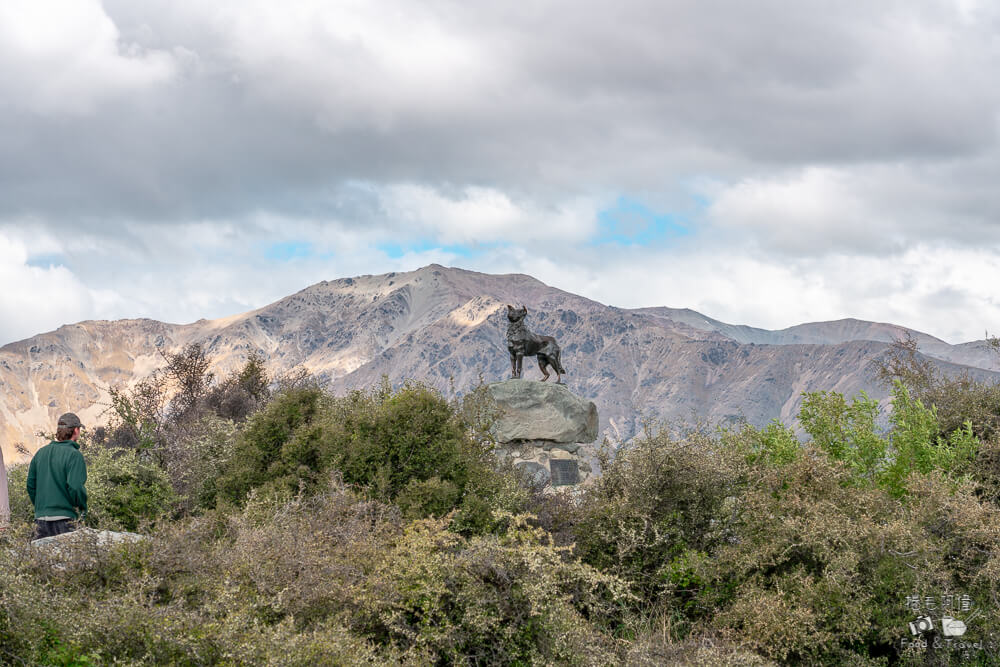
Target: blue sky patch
x=397, y=250
x=630, y=222
x=702, y=201
x=46, y=261
x=286, y=251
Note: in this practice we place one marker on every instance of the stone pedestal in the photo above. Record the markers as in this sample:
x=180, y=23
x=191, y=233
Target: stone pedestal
x=546, y=430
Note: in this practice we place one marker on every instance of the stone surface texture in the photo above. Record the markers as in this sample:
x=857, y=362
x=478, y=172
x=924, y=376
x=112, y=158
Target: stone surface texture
x=541, y=422
x=100, y=538
x=533, y=410
x=535, y=457
x=82, y=548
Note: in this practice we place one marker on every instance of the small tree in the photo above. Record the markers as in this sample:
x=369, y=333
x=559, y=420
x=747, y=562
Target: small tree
x=188, y=371
x=846, y=432
x=241, y=393
x=137, y=415
x=957, y=398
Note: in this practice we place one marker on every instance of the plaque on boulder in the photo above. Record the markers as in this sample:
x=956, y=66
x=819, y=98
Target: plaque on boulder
x=564, y=472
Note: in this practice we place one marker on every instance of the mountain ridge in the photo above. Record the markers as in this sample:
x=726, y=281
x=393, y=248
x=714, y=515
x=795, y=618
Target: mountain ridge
x=446, y=326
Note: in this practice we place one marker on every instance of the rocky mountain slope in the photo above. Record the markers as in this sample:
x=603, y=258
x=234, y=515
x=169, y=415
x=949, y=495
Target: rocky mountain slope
x=446, y=326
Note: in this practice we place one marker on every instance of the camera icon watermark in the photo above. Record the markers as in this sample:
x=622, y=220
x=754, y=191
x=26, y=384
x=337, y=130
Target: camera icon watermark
x=921, y=625
x=950, y=627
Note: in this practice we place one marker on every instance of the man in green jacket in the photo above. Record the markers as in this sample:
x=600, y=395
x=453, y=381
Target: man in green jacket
x=56, y=479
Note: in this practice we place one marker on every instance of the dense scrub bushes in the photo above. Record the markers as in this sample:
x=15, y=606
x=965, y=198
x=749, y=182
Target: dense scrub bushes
x=803, y=553
x=408, y=446
x=656, y=511
x=125, y=491
x=511, y=598
x=291, y=527
x=333, y=578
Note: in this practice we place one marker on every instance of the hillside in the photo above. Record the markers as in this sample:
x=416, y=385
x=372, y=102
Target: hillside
x=446, y=326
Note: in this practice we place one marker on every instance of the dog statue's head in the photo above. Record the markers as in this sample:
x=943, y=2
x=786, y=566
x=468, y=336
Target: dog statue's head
x=516, y=314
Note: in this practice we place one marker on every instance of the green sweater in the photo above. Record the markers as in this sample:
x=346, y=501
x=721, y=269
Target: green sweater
x=55, y=480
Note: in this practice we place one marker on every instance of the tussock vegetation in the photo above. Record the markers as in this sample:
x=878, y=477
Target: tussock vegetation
x=291, y=527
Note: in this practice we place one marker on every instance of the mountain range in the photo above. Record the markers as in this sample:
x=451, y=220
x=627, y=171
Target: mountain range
x=447, y=326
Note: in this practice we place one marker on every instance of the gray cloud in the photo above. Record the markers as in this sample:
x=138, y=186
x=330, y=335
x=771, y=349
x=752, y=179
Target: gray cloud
x=171, y=136
x=266, y=108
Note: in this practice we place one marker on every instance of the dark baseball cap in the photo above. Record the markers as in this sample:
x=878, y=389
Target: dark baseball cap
x=69, y=420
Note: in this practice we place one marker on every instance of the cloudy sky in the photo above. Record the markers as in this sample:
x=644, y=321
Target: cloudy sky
x=766, y=163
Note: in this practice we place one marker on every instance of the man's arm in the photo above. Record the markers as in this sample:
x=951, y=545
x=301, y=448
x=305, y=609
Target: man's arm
x=31, y=480
x=76, y=478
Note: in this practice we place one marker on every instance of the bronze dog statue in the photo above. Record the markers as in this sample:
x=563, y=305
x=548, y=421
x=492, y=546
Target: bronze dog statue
x=522, y=343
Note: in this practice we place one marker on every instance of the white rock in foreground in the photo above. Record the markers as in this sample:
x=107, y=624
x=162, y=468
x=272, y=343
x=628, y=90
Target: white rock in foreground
x=100, y=538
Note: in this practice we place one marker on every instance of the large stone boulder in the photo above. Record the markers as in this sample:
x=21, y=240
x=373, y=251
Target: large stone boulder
x=82, y=548
x=89, y=536
x=532, y=410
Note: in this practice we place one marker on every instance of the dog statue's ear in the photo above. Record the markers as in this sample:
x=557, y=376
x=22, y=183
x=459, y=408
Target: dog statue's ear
x=510, y=307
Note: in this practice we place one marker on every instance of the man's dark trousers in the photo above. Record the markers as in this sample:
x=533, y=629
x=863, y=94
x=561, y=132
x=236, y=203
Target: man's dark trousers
x=52, y=528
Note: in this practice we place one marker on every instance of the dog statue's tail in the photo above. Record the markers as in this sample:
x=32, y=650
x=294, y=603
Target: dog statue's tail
x=558, y=364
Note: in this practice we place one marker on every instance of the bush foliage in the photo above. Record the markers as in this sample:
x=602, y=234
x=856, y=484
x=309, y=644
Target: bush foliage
x=291, y=527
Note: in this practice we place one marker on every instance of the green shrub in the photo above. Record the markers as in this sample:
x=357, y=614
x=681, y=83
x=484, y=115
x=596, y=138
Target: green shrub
x=21, y=509
x=411, y=434
x=408, y=446
x=660, y=505
x=428, y=497
x=492, y=490
x=775, y=444
x=489, y=600
x=196, y=457
x=125, y=490
x=846, y=432
x=259, y=455
x=917, y=445
x=809, y=565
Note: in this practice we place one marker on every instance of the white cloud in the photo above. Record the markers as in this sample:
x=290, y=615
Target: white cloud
x=359, y=63
x=851, y=150
x=811, y=212
x=40, y=298
x=484, y=215
x=946, y=291
x=862, y=209
x=64, y=56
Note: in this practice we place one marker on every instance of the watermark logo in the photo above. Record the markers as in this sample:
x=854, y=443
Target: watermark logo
x=944, y=632
x=933, y=603
x=951, y=627
x=921, y=625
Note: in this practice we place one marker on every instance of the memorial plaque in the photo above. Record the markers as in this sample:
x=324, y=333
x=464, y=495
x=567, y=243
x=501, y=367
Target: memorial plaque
x=564, y=472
